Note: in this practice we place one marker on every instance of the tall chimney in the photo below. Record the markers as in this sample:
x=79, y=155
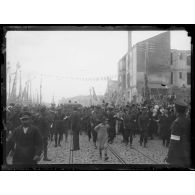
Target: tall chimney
x=129, y=40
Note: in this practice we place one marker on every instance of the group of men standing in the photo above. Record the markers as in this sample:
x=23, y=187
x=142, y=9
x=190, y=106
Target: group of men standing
x=30, y=137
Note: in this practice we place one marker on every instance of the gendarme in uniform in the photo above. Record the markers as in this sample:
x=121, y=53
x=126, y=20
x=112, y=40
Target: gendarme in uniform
x=179, y=149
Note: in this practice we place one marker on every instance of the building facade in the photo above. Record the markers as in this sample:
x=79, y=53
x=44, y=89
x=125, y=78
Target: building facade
x=111, y=94
x=122, y=75
x=153, y=65
x=147, y=59
x=180, y=68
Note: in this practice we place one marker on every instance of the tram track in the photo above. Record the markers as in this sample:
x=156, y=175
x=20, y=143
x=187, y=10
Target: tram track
x=71, y=153
x=116, y=154
x=156, y=162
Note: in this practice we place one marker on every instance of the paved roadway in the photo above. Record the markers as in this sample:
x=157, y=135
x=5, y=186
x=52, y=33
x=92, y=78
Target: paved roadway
x=154, y=153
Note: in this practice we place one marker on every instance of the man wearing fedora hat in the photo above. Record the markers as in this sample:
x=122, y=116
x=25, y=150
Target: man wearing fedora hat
x=179, y=149
x=26, y=141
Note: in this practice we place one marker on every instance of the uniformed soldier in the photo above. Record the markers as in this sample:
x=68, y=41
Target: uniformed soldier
x=179, y=148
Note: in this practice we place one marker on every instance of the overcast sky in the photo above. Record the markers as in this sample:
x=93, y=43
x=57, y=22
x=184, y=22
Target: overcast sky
x=78, y=54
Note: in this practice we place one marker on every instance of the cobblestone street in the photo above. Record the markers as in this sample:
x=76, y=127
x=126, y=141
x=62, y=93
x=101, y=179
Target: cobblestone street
x=154, y=153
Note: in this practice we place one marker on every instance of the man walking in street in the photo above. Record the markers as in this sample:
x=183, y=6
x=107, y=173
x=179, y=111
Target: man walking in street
x=44, y=130
x=75, y=124
x=26, y=141
x=143, y=122
x=102, y=138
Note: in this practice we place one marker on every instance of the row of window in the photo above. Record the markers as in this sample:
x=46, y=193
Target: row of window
x=181, y=76
x=182, y=57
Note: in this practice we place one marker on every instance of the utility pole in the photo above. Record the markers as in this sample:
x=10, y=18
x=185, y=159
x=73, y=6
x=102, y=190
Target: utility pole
x=20, y=89
x=41, y=91
x=37, y=96
x=9, y=87
x=147, y=93
x=129, y=73
x=14, y=87
x=30, y=83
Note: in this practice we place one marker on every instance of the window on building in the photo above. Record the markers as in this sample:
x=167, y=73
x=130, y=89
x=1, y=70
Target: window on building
x=171, y=58
x=188, y=78
x=189, y=60
x=171, y=77
x=180, y=75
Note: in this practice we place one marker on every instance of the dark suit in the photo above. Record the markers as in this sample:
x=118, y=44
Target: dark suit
x=75, y=123
x=179, y=149
x=143, y=122
x=44, y=131
x=26, y=145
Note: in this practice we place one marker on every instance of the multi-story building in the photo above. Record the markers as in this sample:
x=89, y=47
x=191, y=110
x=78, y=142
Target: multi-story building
x=152, y=60
x=147, y=59
x=122, y=75
x=180, y=79
x=180, y=68
x=111, y=91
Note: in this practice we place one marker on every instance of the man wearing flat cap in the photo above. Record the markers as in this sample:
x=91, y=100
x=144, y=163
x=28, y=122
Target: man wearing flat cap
x=26, y=141
x=179, y=149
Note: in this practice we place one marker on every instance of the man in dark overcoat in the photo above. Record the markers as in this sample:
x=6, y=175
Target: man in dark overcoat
x=111, y=122
x=127, y=127
x=44, y=131
x=59, y=126
x=75, y=124
x=26, y=141
x=133, y=124
x=179, y=148
x=143, y=122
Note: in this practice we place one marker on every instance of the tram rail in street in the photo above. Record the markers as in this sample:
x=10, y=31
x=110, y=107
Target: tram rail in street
x=71, y=159
x=116, y=154
x=146, y=156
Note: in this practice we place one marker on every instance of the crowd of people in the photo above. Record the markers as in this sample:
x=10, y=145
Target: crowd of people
x=29, y=128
